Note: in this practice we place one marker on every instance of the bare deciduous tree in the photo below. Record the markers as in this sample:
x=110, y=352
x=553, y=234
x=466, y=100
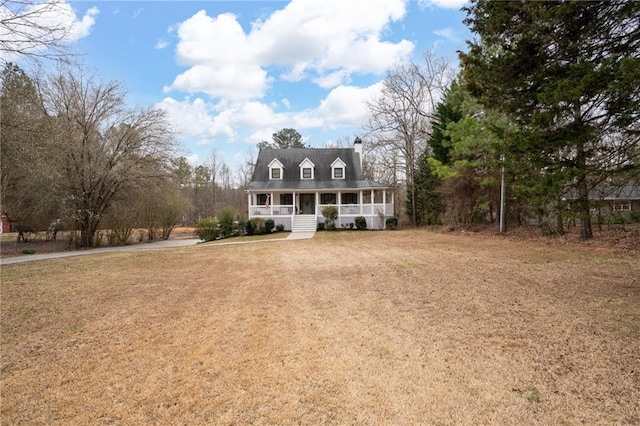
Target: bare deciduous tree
x=27, y=195
x=400, y=116
x=244, y=170
x=103, y=146
x=37, y=29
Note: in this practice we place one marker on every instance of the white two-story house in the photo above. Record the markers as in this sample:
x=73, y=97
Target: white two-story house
x=292, y=186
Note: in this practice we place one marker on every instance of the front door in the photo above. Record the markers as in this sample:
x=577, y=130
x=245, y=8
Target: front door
x=307, y=203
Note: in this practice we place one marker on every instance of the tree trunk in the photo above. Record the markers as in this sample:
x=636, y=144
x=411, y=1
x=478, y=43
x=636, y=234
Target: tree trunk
x=559, y=217
x=586, y=232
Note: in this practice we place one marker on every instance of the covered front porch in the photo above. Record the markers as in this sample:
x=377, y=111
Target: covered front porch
x=283, y=206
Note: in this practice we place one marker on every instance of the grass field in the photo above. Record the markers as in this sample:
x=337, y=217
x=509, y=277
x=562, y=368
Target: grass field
x=402, y=327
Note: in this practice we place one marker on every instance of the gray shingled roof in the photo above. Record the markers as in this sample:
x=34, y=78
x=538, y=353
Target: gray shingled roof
x=609, y=192
x=322, y=158
x=626, y=192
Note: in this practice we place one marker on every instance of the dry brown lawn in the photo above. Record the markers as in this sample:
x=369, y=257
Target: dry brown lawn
x=402, y=327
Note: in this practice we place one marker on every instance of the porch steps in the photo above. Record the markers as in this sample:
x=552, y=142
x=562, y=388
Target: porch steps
x=304, y=223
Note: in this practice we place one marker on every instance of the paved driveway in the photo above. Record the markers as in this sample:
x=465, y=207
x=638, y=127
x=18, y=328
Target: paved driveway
x=146, y=246
x=57, y=255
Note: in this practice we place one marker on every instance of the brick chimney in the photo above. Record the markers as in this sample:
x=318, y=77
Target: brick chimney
x=357, y=148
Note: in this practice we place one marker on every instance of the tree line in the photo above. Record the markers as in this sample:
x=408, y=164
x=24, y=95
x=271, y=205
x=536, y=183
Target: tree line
x=547, y=99
x=73, y=150
x=545, y=109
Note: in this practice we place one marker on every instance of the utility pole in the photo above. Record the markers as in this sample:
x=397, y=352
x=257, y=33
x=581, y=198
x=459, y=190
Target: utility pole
x=502, y=198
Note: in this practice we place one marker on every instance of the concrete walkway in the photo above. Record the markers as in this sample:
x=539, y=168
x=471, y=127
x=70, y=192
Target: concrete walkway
x=145, y=246
x=301, y=235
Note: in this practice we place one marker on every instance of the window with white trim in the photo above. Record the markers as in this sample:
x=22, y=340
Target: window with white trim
x=349, y=198
x=307, y=169
x=622, y=206
x=275, y=170
x=338, y=169
x=261, y=199
x=286, y=199
x=328, y=198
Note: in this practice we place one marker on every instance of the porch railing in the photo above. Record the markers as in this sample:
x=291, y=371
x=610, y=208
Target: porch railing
x=360, y=209
x=273, y=210
x=343, y=210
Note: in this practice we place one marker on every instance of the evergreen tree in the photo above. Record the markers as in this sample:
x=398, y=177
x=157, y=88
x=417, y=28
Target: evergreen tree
x=429, y=207
x=285, y=138
x=567, y=74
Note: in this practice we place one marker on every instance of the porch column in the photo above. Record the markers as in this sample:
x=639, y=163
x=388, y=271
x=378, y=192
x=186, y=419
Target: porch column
x=315, y=207
x=339, y=200
x=293, y=209
x=271, y=204
x=373, y=200
x=360, y=202
x=249, y=205
x=393, y=202
x=384, y=207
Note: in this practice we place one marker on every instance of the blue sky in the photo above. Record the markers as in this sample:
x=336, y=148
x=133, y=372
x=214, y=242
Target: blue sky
x=231, y=73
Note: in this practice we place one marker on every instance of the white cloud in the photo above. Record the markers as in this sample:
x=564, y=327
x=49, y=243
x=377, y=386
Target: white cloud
x=449, y=34
x=332, y=79
x=221, y=65
x=325, y=41
x=83, y=27
x=261, y=135
x=253, y=121
x=229, y=81
x=444, y=4
x=47, y=22
x=347, y=105
x=196, y=118
x=161, y=44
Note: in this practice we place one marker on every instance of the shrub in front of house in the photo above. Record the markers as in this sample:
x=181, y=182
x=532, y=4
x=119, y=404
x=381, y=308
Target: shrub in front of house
x=269, y=224
x=361, y=222
x=330, y=214
x=258, y=225
x=241, y=223
x=391, y=222
x=320, y=227
x=207, y=229
x=225, y=220
x=279, y=227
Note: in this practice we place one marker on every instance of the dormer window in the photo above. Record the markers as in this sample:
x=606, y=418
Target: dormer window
x=338, y=169
x=307, y=169
x=275, y=169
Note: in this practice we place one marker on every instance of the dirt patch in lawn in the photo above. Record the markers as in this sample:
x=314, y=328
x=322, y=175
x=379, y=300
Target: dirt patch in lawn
x=402, y=327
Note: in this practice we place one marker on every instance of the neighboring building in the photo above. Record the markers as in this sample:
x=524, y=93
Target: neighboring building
x=5, y=224
x=612, y=203
x=292, y=186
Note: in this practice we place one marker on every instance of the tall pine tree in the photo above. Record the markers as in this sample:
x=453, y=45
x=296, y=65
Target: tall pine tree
x=567, y=74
